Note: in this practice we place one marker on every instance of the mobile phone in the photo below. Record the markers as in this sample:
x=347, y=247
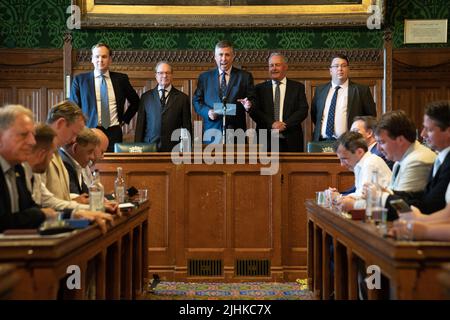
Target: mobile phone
x=400, y=205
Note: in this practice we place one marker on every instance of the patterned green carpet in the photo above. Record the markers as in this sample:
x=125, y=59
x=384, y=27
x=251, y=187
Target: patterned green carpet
x=231, y=291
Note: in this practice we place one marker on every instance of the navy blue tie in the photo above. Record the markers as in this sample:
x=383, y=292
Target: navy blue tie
x=331, y=113
x=223, y=85
x=106, y=118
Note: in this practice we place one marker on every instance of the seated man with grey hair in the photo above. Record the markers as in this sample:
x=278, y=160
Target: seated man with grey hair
x=17, y=208
x=76, y=157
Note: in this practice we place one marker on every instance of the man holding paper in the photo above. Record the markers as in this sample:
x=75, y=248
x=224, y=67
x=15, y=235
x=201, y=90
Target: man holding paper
x=226, y=84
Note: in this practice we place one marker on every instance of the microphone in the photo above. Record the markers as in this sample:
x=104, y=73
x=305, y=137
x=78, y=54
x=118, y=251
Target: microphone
x=224, y=99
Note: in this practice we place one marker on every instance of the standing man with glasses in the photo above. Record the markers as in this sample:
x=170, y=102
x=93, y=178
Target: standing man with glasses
x=101, y=94
x=224, y=84
x=336, y=103
x=162, y=110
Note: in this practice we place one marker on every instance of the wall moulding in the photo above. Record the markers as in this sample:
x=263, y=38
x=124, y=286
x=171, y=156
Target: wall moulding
x=226, y=13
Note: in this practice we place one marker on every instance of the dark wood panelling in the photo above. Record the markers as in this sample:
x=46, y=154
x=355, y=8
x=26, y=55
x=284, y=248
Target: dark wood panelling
x=227, y=212
x=420, y=77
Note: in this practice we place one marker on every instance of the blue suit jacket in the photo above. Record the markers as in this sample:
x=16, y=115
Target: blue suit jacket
x=83, y=94
x=360, y=103
x=239, y=86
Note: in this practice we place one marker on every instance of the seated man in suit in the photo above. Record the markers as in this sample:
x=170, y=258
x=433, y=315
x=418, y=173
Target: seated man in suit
x=419, y=226
x=162, y=110
x=225, y=84
x=352, y=152
x=17, y=208
x=67, y=120
x=281, y=105
x=396, y=139
x=101, y=94
x=366, y=126
x=76, y=157
x=99, y=153
x=337, y=103
x=436, y=133
x=36, y=165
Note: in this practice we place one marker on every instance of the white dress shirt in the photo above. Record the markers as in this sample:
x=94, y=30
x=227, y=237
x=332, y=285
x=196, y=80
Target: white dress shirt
x=340, y=118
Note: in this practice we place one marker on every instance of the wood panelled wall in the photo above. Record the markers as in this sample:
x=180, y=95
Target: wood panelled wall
x=308, y=66
x=420, y=76
x=227, y=212
x=34, y=77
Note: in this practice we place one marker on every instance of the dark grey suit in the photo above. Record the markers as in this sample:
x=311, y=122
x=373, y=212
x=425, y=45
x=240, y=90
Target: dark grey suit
x=360, y=103
x=176, y=114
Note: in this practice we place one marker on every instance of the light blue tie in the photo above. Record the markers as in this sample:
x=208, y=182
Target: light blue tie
x=106, y=119
x=436, y=166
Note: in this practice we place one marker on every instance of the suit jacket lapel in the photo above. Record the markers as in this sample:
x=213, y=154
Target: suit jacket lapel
x=323, y=100
x=351, y=94
x=6, y=199
x=62, y=174
x=233, y=79
x=268, y=96
x=287, y=97
x=215, y=83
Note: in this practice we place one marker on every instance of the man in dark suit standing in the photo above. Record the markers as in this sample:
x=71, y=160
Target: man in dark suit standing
x=226, y=84
x=162, y=110
x=101, y=94
x=17, y=208
x=336, y=103
x=281, y=105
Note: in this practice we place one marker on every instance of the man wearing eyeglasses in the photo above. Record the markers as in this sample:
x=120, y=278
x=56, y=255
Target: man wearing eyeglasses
x=336, y=103
x=162, y=110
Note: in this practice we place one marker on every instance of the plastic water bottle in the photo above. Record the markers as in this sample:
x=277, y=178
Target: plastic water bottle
x=373, y=197
x=185, y=141
x=119, y=186
x=96, y=193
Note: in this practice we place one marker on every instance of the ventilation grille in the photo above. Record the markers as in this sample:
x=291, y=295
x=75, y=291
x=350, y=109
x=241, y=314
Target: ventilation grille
x=253, y=268
x=205, y=268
